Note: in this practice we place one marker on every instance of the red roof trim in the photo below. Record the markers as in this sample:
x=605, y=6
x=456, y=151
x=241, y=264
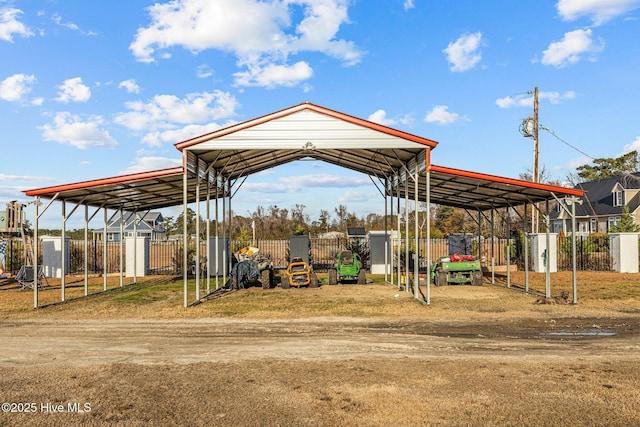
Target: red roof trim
x=503, y=180
x=300, y=107
x=105, y=181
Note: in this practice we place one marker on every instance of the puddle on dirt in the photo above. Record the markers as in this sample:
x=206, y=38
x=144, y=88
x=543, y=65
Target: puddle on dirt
x=587, y=332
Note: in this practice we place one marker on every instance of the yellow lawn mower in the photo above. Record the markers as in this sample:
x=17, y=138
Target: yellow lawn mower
x=298, y=274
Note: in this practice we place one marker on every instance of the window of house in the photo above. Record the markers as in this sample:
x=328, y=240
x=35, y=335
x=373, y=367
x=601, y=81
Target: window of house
x=618, y=198
x=583, y=227
x=594, y=225
x=613, y=220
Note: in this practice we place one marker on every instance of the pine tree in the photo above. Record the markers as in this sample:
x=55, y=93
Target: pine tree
x=626, y=224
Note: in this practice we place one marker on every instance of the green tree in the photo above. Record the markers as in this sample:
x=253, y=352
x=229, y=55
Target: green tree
x=342, y=213
x=608, y=167
x=443, y=213
x=244, y=234
x=626, y=224
x=175, y=227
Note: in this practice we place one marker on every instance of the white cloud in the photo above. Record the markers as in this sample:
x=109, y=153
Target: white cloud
x=57, y=19
x=203, y=71
x=261, y=34
x=380, y=116
x=10, y=26
x=356, y=196
x=294, y=184
x=169, y=111
x=634, y=145
x=599, y=11
x=325, y=180
x=526, y=100
x=72, y=130
x=573, y=164
x=571, y=49
x=441, y=116
x=272, y=75
x=15, y=87
x=408, y=4
x=515, y=101
x=130, y=86
x=151, y=163
x=70, y=25
x=12, y=193
x=463, y=54
x=27, y=178
x=169, y=119
x=556, y=97
x=265, y=188
x=160, y=138
x=73, y=90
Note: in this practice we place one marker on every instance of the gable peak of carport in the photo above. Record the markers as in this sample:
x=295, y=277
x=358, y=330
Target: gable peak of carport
x=306, y=125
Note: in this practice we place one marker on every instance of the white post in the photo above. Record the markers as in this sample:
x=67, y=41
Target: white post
x=185, y=243
x=197, y=260
x=428, y=250
x=121, y=242
x=104, y=252
x=416, y=254
x=35, y=250
x=624, y=252
x=208, y=237
x=573, y=249
x=135, y=247
x=62, y=253
x=86, y=250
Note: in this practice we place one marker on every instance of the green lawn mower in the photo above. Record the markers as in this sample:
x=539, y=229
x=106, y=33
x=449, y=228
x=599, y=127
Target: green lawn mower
x=347, y=269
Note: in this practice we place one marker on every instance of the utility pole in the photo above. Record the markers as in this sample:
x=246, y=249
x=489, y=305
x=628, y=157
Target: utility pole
x=529, y=129
x=536, y=151
x=536, y=172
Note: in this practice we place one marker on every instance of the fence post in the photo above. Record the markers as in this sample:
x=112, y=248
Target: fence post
x=624, y=252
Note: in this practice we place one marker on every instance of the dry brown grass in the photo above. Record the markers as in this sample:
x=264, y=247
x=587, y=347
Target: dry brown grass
x=610, y=294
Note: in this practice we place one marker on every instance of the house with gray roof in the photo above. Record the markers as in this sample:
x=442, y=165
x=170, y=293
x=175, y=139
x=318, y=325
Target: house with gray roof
x=150, y=225
x=601, y=206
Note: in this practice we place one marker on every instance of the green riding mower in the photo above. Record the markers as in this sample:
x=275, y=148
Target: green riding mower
x=347, y=269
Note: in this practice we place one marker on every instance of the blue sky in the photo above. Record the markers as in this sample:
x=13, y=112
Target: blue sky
x=92, y=89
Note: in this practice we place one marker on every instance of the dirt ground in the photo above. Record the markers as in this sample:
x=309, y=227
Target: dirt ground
x=333, y=356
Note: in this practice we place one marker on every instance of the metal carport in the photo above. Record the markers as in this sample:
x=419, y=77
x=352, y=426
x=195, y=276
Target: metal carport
x=216, y=164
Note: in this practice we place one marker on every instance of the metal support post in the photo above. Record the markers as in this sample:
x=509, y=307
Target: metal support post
x=549, y=256
x=526, y=250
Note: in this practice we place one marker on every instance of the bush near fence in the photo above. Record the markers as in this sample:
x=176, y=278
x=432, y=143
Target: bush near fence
x=592, y=252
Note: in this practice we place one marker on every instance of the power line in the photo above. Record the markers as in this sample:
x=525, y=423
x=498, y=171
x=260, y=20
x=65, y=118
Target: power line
x=565, y=142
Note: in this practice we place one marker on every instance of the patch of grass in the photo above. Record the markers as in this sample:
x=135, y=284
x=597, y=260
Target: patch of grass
x=162, y=297
x=144, y=293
